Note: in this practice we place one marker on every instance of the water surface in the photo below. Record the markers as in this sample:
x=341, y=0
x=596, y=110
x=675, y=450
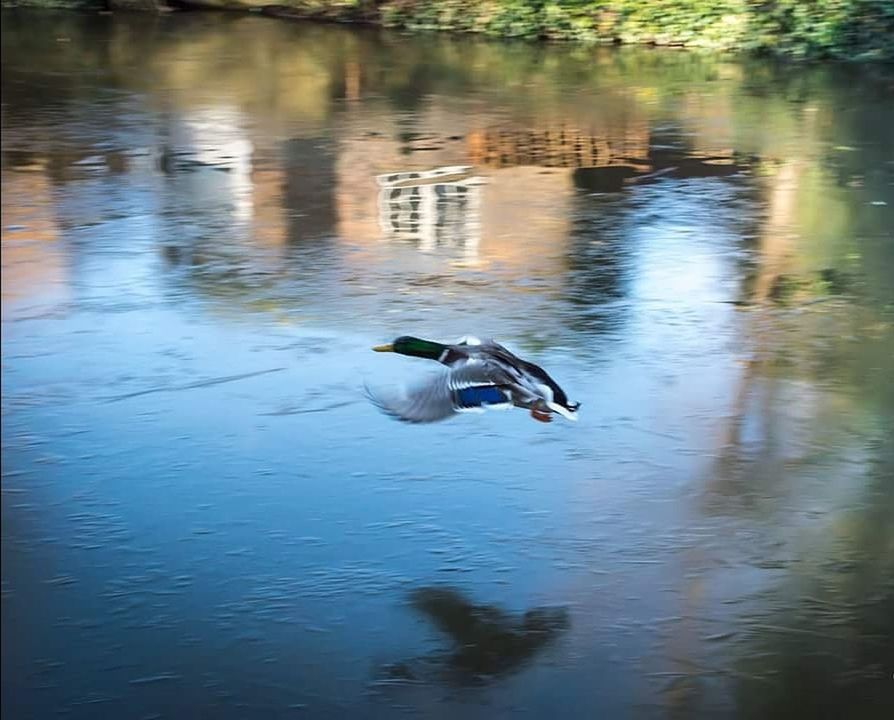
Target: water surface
x=201, y=514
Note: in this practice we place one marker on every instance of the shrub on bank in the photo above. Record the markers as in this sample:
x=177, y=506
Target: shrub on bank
x=855, y=29
x=847, y=29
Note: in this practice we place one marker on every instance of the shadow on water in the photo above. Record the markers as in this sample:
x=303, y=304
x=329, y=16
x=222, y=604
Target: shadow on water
x=486, y=641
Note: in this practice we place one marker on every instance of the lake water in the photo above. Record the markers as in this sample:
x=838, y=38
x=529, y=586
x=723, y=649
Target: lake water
x=202, y=515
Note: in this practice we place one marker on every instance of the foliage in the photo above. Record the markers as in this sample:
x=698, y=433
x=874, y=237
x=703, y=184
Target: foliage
x=847, y=29
x=57, y=4
x=859, y=29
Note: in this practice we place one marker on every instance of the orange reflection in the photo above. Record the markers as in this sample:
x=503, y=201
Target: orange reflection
x=32, y=261
x=561, y=145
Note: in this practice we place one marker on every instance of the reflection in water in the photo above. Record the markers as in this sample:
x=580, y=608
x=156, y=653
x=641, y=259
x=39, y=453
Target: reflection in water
x=431, y=209
x=212, y=139
x=617, y=207
x=700, y=245
x=487, y=642
x=603, y=160
x=310, y=189
x=616, y=145
x=600, y=260
x=30, y=230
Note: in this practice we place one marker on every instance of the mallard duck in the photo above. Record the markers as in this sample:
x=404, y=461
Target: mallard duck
x=481, y=374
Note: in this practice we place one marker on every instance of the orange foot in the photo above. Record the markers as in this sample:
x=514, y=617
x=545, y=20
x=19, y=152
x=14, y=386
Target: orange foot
x=541, y=415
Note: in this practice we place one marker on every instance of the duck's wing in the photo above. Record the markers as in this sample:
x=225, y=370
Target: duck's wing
x=473, y=386
x=468, y=340
x=469, y=348
x=531, y=378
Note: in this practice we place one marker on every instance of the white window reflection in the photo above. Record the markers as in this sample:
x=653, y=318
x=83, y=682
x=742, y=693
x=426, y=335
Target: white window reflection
x=435, y=208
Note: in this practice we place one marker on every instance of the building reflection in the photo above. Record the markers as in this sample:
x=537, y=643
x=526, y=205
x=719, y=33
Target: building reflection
x=33, y=263
x=604, y=164
x=602, y=159
x=432, y=212
x=561, y=145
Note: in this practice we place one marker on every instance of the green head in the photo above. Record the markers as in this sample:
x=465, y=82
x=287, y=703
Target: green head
x=413, y=346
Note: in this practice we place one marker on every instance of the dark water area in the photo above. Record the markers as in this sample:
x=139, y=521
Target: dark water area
x=202, y=516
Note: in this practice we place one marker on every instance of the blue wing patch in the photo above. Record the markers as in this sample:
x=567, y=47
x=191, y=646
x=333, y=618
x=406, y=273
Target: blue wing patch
x=480, y=395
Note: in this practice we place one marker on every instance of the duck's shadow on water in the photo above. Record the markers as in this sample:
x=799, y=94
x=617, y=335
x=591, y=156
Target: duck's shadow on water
x=485, y=641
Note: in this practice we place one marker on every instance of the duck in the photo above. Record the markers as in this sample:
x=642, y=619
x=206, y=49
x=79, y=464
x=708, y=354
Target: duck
x=480, y=375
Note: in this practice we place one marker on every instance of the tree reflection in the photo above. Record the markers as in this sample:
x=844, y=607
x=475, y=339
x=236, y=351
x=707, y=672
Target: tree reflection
x=806, y=449
x=309, y=192
x=486, y=641
x=598, y=267
x=829, y=654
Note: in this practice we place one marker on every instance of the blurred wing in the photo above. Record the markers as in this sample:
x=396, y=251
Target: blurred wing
x=472, y=386
x=425, y=402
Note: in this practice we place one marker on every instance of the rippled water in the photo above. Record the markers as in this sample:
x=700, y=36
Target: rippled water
x=201, y=514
